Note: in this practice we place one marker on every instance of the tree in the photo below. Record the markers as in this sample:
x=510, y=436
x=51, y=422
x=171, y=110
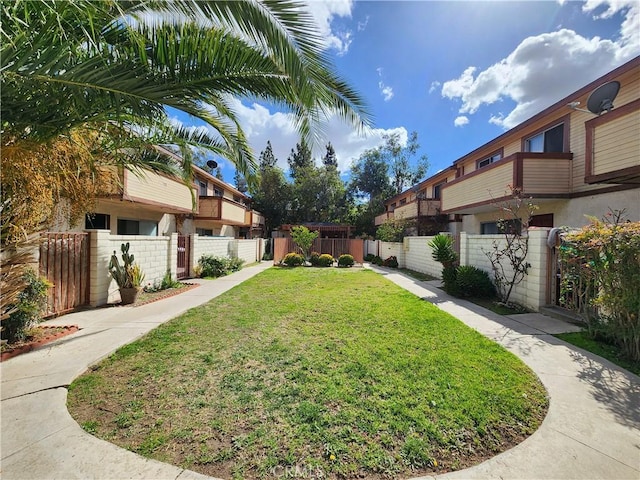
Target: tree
x=267, y=159
x=218, y=174
x=303, y=238
x=272, y=192
x=508, y=256
x=370, y=177
x=403, y=175
x=299, y=159
x=116, y=63
x=330, y=159
x=241, y=183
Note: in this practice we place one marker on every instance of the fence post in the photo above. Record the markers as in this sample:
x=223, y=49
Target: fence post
x=537, y=278
x=464, y=251
x=193, y=238
x=99, y=255
x=172, y=255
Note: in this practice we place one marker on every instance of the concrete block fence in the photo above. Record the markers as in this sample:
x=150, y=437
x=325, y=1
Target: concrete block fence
x=156, y=256
x=414, y=253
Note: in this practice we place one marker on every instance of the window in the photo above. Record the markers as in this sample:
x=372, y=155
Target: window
x=437, y=189
x=204, y=232
x=392, y=207
x=403, y=201
x=137, y=227
x=494, y=228
x=551, y=140
x=490, y=160
x=203, y=188
x=217, y=192
x=97, y=221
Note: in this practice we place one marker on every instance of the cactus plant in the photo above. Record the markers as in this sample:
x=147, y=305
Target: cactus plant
x=126, y=275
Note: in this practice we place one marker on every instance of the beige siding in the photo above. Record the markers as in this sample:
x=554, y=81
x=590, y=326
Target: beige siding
x=232, y=212
x=157, y=189
x=480, y=188
x=410, y=210
x=514, y=146
x=616, y=144
x=546, y=175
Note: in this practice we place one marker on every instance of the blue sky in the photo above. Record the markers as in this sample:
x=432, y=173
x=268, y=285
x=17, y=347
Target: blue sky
x=458, y=73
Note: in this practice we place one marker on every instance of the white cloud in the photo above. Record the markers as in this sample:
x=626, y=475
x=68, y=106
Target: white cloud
x=547, y=67
x=323, y=13
x=460, y=121
x=385, y=90
x=363, y=24
x=434, y=86
x=260, y=126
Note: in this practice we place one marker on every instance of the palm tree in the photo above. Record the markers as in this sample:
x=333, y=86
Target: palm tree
x=112, y=70
x=126, y=63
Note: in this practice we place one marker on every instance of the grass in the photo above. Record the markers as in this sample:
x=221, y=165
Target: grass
x=332, y=372
x=600, y=348
x=423, y=277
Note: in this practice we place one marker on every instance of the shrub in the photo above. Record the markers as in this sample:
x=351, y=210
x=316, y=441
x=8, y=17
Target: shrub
x=473, y=282
x=168, y=282
x=369, y=257
x=29, y=308
x=293, y=259
x=442, y=250
x=377, y=260
x=314, y=258
x=212, y=266
x=325, y=260
x=392, y=262
x=601, y=260
x=267, y=256
x=449, y=275
x=345, y=260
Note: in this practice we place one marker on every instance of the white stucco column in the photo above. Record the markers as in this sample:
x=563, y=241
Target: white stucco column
x=99, y=255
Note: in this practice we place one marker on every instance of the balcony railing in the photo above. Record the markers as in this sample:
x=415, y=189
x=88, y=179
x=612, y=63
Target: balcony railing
x=411, y=210
x=254, y=219
x=537, y=175
x=222, y=209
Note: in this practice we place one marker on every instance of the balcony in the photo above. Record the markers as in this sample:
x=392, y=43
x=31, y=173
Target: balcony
x=537, y=175
x=253, y=219
x=221, y=209
x=411, y=210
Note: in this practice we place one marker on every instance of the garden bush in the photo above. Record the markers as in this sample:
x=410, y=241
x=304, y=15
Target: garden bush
x=449, y=277
x=377, y=261
x=313, y=258
x=369, y=257
x=212, y=266
x=29, y=308
x=345, y=260
x=603, y=268
x=392, y=262
x=325, y=260
x=293, y=259
x=473, y=282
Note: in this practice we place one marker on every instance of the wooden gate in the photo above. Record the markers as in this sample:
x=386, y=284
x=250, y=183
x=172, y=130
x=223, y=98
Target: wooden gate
x=64, y=262
x=182, y=270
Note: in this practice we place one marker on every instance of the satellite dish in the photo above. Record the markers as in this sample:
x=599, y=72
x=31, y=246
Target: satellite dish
x=212, y=164
x=601, y=99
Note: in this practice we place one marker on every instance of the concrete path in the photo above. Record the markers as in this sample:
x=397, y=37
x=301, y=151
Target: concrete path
x=592, y=429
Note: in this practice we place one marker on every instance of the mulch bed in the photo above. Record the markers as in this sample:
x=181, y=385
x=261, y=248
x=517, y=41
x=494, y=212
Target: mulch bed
x=42, y=334
x=37, y=336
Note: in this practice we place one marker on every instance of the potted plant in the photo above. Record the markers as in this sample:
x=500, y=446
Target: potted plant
x=128, y=276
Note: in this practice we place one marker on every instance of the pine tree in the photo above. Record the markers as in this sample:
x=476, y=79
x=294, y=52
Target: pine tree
x=330, y=159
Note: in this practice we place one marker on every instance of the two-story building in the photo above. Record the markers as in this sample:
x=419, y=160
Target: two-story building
x=569, y=161
x=150, y=203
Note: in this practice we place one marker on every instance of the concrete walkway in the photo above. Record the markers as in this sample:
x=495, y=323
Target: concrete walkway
x=592, y=429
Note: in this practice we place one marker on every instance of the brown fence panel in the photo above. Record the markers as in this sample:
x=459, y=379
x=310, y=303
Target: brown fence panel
x=333, y=246
x=64, y=262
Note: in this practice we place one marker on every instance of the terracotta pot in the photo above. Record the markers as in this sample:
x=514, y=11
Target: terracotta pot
x=129, y=295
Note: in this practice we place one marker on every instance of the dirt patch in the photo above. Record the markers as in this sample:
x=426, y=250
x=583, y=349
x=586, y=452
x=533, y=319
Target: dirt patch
x=37, y=337
x=150, y=297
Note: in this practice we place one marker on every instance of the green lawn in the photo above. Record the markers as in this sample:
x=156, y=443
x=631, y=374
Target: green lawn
x=600, y=348
x=331, y=371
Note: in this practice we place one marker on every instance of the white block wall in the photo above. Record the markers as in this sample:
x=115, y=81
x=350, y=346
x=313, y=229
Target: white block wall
x=418, y=256
x=415, y=254
x=156, y=255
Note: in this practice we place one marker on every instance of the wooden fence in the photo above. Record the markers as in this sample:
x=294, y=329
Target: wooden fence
x=333, y=246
